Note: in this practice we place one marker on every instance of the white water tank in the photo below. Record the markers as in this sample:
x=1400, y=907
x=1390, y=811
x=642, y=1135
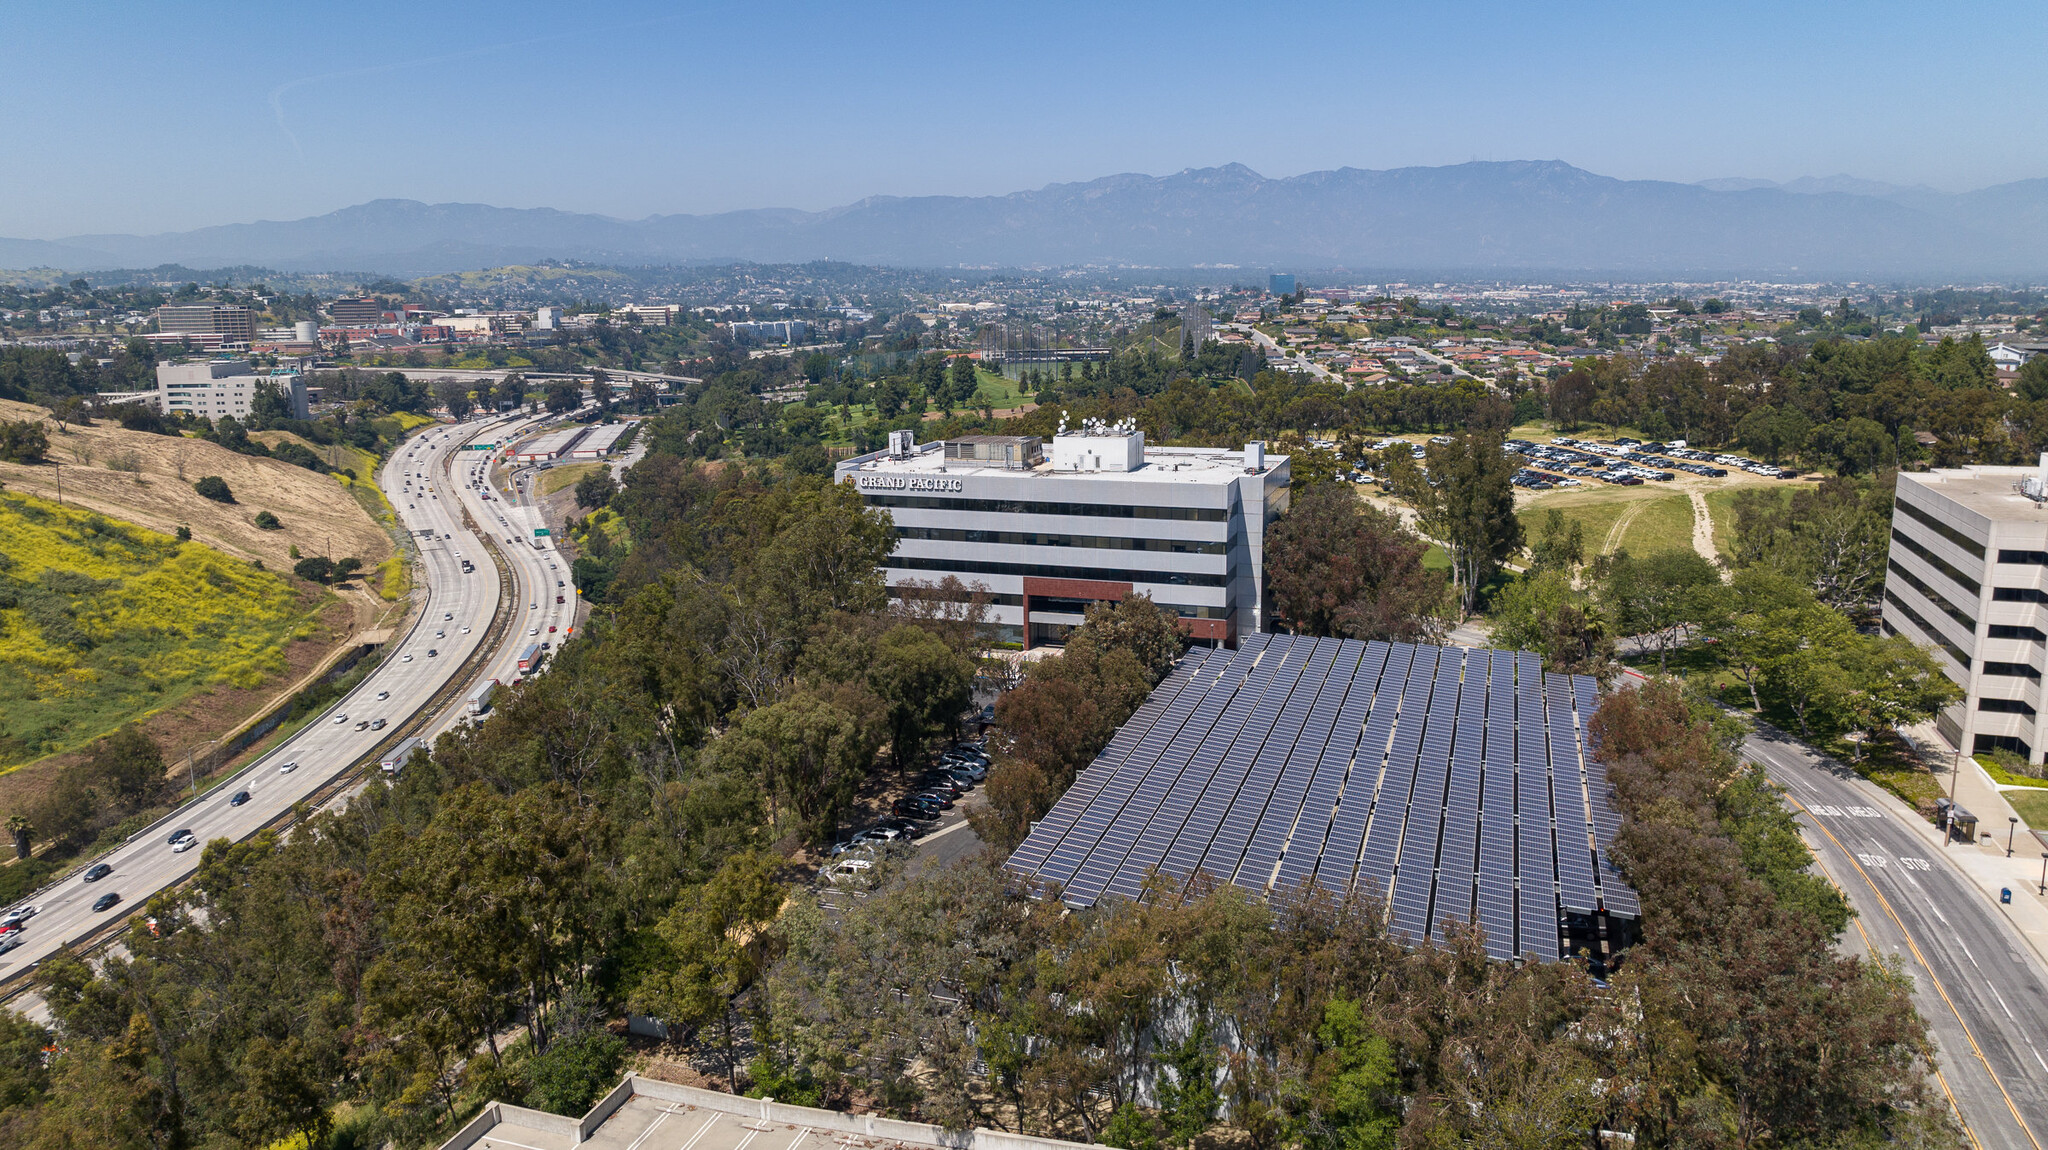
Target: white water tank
x=306, y=331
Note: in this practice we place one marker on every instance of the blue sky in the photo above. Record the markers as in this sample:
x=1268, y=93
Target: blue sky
x=153, y=117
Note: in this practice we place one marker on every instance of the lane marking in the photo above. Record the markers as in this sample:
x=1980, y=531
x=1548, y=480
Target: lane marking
x=1871, y=947
x=1932, y=978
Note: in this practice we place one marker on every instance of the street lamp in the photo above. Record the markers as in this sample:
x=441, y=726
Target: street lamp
x=2012, y=825
x=2044, y=873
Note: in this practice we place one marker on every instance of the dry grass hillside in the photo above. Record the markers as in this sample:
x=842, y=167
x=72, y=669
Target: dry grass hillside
x=147, y=479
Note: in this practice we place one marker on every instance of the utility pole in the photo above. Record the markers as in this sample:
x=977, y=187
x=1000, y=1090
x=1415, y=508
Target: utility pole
x=60, y=481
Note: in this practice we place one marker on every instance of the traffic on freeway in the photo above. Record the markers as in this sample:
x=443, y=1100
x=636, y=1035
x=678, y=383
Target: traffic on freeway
x=454, y=619
x=1976, y=980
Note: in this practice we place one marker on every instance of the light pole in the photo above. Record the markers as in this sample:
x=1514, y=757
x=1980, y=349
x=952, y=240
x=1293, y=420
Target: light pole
x=2012, y=826
x=2044, y=873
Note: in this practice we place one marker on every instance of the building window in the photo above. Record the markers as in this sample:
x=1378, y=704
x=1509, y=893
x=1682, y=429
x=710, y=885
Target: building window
x=1937, y=562
x=2016, y=670
x=1933, y=596
x=1048, y=571
x=2006, y=706
x=1031, y=507
x=1044, y=539
x=2030, y=558
x=2007, y=631
x=1986, y=744
x=1942, y=529
x=1933, y=636
x=2019, y=594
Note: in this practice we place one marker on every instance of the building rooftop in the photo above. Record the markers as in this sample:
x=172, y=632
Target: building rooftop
x=1190, y=465
x=1992, y=492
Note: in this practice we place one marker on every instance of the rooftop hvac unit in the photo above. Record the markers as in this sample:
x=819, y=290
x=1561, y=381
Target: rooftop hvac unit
x=902, y=443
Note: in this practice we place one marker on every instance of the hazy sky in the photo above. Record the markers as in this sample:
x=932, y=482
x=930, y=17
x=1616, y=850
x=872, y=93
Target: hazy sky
x=153, y=117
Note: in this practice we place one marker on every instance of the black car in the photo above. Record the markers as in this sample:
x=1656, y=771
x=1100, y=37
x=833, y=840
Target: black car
x=98, y=871
x=240, y=798
x=943, y=799
x=106, y=900
x=946, y=784
x=912, y=809
x=908, y=827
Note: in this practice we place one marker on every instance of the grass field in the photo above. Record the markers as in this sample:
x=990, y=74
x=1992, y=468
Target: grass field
x=1721, y=505
x=108, y=622
x=1611, y=518
x=556, y=478
x=2031, y=806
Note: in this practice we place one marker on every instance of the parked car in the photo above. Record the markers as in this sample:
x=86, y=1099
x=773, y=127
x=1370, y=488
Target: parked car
x=911, y=808
x=942, y=799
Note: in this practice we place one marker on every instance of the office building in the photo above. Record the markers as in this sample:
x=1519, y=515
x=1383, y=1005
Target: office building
x=646, y=315
x=356, y=311
x=1104, y=517
x=1968, y=577
x=547, y=319
x=1280, y=283
x=771, y=330
x=225, y=325
x=1445, y=784
x=222, y=387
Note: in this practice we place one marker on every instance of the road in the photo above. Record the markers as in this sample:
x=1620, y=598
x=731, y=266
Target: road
x=1976, y=980
x=454, y=619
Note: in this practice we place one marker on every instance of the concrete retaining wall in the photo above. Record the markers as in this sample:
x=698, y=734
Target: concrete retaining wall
x=476, y=1129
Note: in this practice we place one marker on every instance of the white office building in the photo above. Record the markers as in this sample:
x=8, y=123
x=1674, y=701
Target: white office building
x=1102, y=518
x=1968, y=575
x=222, y=387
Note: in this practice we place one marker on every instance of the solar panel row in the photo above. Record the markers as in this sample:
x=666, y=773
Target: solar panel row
x=1453, y=784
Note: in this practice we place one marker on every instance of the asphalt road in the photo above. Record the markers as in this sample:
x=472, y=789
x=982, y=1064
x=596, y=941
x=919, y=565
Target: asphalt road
x=454, y=620
x=1976, y=981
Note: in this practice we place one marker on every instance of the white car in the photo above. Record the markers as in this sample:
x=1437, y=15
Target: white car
x=18, y=914
x=383, y=695
x=184, y=843
x=288, y=766
x=340, y=719
x=534, y=631
x=406, y=659
x=465, y=630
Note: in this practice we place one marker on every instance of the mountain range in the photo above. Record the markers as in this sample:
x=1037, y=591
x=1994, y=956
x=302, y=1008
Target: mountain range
x=1512, y=217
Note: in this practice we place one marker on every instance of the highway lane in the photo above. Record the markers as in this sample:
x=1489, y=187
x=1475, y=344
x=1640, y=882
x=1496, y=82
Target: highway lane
x=540, y=573
x=454, y=619
x=1976, y=980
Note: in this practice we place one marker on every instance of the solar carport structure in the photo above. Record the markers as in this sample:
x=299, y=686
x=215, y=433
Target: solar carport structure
x=1450, y=783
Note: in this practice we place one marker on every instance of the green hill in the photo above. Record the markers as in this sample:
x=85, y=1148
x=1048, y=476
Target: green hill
x=103, y=621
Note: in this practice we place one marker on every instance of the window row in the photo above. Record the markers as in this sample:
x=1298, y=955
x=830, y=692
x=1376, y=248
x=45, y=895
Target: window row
x=1046, y=539
x=1033, y=507
x=1942, y=529
x=1934, y=597
x=1927, y=631
x=1937, y=562
x=1050, y=571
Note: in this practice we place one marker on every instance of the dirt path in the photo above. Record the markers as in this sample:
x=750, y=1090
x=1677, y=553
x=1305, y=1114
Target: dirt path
x=1612, y=543
x=1703, y=532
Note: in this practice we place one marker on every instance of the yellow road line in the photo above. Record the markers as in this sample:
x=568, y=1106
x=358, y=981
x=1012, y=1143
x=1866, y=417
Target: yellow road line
x=1931, y=977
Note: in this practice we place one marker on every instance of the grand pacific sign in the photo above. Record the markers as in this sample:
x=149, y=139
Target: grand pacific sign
x=906, y=483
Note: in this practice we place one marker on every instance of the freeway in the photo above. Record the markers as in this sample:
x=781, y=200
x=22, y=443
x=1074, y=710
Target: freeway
x=453, y=620
x=1976, y=979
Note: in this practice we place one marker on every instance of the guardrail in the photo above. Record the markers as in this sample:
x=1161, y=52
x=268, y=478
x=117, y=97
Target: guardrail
x=18, y=982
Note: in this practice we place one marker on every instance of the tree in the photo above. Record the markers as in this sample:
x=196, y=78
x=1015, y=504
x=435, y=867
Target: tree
x=1466, y=503
x=455, y=397
x=23, y=441
x=809, y=753
x=2032, y=384
x=924, y=686
x=1660, y=597
x=719, y=936
x=1136, y=625
x=23, y=831
x=1339, y=567
x=314, y=568
x=596, y=489
x=127, y=767
x=1543, y=612
x=267, y=522
x=1562, y=545
x=563, y=397
x=215, y=488
x=1850, y=446
x=1356, y=1077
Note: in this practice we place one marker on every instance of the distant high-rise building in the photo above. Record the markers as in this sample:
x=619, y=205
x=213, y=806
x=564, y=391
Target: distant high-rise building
x=352, y=311
x=1280, y=283
x=547, y=319
x=230, y=325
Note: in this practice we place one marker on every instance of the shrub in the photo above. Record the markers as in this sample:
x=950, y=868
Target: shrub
x=266, y=521
x=574, y=1071
x=215, y=488
x=23, y=441
x=184, y=534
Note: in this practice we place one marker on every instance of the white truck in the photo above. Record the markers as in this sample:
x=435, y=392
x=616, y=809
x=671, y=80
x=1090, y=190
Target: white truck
x=480, y=699
x=395, y=759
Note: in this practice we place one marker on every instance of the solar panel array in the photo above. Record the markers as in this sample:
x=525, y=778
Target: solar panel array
x=1452, y=784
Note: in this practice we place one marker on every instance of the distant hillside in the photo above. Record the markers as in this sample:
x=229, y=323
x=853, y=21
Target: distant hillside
x=1516, y=216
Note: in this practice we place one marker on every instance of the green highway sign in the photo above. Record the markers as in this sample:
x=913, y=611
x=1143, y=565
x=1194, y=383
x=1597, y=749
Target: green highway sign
x=542, y=531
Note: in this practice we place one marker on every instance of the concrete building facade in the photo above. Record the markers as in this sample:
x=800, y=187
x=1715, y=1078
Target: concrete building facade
x=1967, y=575
x=222, y=387
x=226, y=324
x=1100, y=518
